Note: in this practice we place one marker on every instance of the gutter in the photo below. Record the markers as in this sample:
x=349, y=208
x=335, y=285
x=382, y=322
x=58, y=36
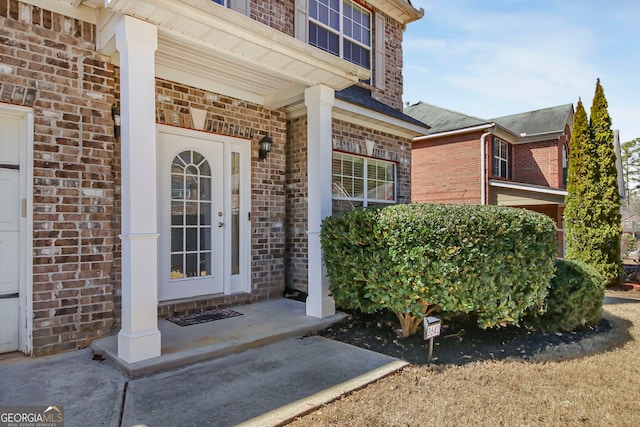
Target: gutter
x=483, y=158
x=530, y=137
x=455, y=132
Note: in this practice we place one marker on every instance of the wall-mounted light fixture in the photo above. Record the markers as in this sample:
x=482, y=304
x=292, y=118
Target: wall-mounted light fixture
x=115, y=115
x=265, y=146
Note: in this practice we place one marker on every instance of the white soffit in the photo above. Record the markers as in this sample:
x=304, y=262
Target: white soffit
x=217, y=49
x=400, y=10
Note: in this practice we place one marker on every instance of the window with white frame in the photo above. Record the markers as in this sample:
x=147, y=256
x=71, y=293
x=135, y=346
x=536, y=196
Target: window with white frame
x=342, y=28
x=500, y=158
x=565, y=163
x=360, y=181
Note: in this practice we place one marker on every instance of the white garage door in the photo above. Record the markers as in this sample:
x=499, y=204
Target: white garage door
x=10, y=197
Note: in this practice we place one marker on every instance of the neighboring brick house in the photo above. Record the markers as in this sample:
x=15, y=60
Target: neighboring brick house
x=518, y=160
x=134, y=171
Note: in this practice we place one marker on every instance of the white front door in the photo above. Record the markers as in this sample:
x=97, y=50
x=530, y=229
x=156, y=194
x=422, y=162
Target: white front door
x=191, y=217
x=10, y=210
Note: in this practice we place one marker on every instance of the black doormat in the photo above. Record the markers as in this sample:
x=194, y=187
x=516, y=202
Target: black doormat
x=204, y=317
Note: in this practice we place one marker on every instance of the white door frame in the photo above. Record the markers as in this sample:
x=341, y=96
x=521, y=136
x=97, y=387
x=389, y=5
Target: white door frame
x=231, y=284
x=25, y=116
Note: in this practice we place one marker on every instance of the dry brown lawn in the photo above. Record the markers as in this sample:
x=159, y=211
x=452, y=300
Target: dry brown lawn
x=595, y=382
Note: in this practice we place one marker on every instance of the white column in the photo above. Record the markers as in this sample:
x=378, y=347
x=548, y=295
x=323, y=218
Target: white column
x=139, y=338
x=319, y=101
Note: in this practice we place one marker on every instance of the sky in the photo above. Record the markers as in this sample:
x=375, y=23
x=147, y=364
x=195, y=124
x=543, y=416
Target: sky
x=492, y=58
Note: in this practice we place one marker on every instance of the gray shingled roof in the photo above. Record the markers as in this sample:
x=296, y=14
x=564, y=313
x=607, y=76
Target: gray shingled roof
x=441, y=119
x=360, y=96
x=552, y=119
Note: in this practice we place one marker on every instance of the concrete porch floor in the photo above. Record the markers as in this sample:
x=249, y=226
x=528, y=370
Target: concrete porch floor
x=261, y=323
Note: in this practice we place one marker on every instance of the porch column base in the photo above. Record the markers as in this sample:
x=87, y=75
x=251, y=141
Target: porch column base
x=320, y=307
x=140, y=346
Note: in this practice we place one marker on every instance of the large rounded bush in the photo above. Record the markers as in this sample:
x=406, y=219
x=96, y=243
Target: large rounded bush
x=492, y=261
x=574, y=299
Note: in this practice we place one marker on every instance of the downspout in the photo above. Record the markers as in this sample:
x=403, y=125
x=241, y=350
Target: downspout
x=483, y=159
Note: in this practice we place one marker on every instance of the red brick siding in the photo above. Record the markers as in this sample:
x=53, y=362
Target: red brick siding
x=446, y=170
x=393, y=89
x=50, y=64
x=538, y=163
x=277, y=14
x=296, y=258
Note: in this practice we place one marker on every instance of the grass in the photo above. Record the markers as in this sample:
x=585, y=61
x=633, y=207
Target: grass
x=595, y=382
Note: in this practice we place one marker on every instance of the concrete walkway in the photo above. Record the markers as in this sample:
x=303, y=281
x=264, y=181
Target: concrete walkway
x=260, y=324
x=262, y=382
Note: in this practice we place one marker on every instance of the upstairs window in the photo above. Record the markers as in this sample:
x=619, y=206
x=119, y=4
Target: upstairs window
x=500, y=158
x=341, y=28
x=565, y=164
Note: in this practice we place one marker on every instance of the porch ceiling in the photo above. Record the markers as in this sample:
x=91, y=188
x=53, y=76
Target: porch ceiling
x=217, y=49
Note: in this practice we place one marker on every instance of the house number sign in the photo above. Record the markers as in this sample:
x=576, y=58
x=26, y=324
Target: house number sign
x=431, y=330
x=431, y=327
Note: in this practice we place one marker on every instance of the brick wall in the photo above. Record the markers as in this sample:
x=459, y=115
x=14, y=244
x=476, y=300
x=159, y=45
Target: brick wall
x=393, y=89
x=277, y=14
x=446, y=170
x=538, y=163
x=346, y=138
x=68, y=85
x=296, y=258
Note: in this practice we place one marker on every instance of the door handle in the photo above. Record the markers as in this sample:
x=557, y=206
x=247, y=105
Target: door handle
x=220, y=224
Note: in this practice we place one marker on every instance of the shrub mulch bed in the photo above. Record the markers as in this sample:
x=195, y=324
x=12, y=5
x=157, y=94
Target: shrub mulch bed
x=458, y=344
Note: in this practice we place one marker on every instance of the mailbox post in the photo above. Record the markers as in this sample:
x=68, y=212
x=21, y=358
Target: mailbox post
x=431, y=330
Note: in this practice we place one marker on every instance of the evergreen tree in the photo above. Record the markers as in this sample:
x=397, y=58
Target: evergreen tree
x=577, y=206
x=592, y=211
x=608, y=206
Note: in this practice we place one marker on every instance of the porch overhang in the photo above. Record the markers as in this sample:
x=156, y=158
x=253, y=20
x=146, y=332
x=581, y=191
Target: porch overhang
x=220, y=50
x=506, y=193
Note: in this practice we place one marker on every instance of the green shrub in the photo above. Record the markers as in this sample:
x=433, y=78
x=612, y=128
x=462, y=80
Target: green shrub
x=491, y=261
x=348, y=244
x=574, y=300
